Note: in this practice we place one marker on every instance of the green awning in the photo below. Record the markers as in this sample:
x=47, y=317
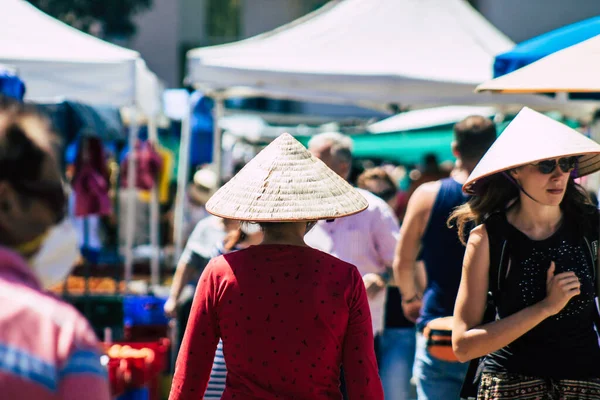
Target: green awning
x=402, y=147
x=406, y=148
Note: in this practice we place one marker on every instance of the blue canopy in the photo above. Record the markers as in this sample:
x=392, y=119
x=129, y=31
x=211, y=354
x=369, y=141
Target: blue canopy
x=10, y=84
x=538, y=47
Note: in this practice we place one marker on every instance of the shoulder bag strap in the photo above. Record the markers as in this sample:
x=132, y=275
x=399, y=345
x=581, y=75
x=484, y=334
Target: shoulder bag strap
x=591, y=243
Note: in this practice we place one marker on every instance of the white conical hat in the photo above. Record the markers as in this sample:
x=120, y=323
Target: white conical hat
x=284, y=182
x=533, y=137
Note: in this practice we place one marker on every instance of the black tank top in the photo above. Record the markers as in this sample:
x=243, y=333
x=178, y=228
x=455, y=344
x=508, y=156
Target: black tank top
x=566, y=345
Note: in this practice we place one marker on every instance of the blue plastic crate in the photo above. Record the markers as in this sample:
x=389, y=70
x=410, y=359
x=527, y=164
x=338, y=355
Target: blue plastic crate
x=144, y=310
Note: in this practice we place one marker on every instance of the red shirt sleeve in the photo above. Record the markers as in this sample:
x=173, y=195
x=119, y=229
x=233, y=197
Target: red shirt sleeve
x=358, y=359
x=197, y=351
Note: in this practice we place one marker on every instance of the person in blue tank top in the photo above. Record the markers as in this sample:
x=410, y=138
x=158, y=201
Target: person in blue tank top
x=424, y=235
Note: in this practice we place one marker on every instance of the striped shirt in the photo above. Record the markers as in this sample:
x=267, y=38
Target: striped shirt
x=218, y=375
x=47, y=349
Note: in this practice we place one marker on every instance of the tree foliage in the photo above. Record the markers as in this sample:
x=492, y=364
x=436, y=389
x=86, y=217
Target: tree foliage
x=224, y=21
x=108, y=18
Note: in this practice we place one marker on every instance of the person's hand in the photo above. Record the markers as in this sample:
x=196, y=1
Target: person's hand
x=412, y=308
x=560, y=289
x=171, y=308
x=374, y=284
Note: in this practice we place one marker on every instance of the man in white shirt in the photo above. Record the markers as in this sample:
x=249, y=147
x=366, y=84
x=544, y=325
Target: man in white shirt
x=367, y=239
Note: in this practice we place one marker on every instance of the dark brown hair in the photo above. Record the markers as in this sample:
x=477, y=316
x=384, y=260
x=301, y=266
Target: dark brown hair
x=496, y=194
x=474, y=135
x=24, y=132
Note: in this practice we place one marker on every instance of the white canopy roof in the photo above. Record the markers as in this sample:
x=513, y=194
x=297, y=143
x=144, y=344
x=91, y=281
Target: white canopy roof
x=384, y=51
x=56, y=60
x=573, y=70
x=427, y=118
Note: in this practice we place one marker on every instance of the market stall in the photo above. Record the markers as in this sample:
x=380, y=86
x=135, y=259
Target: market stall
x=97, y=73
x=354, y=51
x=60, y=63
x=361, y=52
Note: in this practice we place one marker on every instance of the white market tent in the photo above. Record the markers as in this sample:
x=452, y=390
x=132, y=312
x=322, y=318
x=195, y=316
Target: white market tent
x=571, y=70
x=58, y=62
x=372, y=51
x=366, y=52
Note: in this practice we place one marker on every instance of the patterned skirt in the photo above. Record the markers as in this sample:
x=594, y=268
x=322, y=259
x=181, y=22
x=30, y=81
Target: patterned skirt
x=507, y=386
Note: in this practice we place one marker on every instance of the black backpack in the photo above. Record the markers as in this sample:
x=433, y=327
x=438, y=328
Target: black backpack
x=499, y=259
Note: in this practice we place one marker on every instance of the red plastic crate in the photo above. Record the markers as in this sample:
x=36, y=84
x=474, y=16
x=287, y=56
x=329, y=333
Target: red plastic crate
x=127, y=373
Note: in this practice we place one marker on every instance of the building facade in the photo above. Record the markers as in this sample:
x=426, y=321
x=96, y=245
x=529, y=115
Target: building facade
x=523, y=19
x=172, y=27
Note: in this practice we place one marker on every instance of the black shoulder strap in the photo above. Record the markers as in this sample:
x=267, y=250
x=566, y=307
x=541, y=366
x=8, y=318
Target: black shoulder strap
x=499, y=257
x=591, y=244
x=591, y=240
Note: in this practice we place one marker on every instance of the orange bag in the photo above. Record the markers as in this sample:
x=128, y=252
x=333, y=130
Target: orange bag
x=438, y=333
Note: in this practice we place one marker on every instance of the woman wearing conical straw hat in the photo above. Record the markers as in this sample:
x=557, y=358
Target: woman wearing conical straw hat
x=289, y=315
x=535, y=251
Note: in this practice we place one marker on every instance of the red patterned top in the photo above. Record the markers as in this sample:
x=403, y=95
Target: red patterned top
x=289, y=317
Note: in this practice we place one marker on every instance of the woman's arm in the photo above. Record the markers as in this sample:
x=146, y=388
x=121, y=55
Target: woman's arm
x=182, y=276
x=470, y=339
x=358, y=353
x=199, y=345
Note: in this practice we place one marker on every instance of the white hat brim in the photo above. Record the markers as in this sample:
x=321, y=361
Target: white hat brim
x=533, y=137
x=284, y=182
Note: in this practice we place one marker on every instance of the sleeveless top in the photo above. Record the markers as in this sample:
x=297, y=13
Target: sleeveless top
x=566, y=345
x=442, y=254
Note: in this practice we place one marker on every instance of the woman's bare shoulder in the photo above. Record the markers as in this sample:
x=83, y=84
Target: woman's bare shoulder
x=478, y=235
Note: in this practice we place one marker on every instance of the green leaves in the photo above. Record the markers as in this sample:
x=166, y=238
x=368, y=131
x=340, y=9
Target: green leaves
x=105, y=18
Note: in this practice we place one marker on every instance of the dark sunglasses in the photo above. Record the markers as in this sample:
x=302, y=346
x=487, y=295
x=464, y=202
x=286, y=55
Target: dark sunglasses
x=52, y=193
x=565, y=164
x=386, y=194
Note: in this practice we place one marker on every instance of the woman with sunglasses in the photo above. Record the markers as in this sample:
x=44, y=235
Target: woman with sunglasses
x=535, y=252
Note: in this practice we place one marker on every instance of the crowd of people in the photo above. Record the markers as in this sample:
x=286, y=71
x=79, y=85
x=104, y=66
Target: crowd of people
x=480, y=283
x=412, y=268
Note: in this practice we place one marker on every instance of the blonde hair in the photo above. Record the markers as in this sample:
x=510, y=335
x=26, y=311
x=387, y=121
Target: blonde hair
x=376, y=173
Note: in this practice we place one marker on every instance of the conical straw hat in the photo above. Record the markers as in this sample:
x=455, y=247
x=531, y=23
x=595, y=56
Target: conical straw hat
x=284, y=182
x=533, y=137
